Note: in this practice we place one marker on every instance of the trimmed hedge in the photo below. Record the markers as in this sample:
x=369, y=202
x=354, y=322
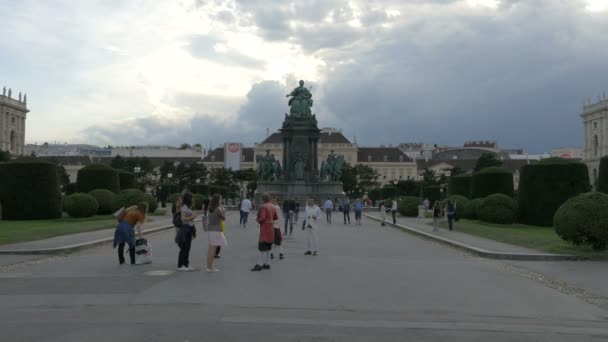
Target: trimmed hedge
x=583, y=220
x=80, y=205
x=127, y=198
x=602, y=178
x=104, y=199
x=126, y=180
x=472, y=209
x=98, y=176
x=408, y=206
x=460, y=185
x=375, y=194
x=29, y=190
x=71, y=189
x=218, y=189
x=152, y=203
x=545, y=186
x=202, y=189
x=433, y=193
x=492, y=180
x=198, y=201
x=497, y=208
x=389, y=191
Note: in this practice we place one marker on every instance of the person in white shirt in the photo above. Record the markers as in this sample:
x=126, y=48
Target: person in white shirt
x=245, y=209
x=329, y=207
x=278, y=238
x=394, y=210
x=312, y=217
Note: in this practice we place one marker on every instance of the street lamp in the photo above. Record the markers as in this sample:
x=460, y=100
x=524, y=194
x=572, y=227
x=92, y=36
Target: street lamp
x=198, y=180
x=169, y=175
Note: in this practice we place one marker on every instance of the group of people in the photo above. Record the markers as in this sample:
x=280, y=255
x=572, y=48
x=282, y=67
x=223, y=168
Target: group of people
x=345, y=207
x=449, y=210
x=389, y=206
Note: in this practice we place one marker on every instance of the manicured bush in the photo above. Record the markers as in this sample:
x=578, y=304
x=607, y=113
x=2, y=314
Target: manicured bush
x=104, y=199
x=472, y=209
x=80, y=205
x=71, y=189
x=408, y=206
x=127, y=198
x=198, y=201
x=219, y=189
x=126, y=180
x=389, y=191
x=97, y=176
x=375, y=194
x=152, y=203
x=545, y=186
x=492, y=180
x=602, y=178
x=583, y=220
x=497, y=208
x=202, y=189
x=29, y=190
x=433, y=193
x=460, y=185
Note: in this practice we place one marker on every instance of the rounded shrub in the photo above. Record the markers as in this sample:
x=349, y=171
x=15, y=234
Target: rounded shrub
x=497, y=208
x=545, y=186
x=460, y=185
x=70, y=189
x=80, y=205
x=152, y=203
x=375, y=194
x=602, y=178
x=126, y=180
x=583, y=220
x=97, y=176
x=198, y=201
x=492, y=180
x=29, y=190
x=472, y=209
x=104, y=199
x=408, y=206
x=127, y=198
x=389, y=191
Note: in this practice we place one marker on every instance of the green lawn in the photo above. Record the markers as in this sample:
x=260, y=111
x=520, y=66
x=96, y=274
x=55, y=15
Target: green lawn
x=19, y=231
x=543, y=239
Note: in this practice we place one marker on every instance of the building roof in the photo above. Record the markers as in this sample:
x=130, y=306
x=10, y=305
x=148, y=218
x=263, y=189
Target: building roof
x=332, y=137
x=484, y=144
x=469, y=164
x=377, y=154
x=86, y=160
x=217, y=155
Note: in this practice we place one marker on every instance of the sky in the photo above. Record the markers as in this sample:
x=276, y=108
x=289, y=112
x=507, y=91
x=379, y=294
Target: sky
x=135, y=72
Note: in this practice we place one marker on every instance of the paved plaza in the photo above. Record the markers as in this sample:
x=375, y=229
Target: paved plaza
x=367, y=283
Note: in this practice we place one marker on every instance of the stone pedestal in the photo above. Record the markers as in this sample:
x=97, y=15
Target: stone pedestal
x=300, y=143
x=299, y=190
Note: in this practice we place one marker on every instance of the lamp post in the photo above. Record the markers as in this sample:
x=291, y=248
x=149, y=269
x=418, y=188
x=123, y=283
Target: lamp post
x=447, y=174
x=136, y=171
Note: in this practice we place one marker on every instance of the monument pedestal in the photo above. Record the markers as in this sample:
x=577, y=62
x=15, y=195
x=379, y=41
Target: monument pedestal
x=299, y=190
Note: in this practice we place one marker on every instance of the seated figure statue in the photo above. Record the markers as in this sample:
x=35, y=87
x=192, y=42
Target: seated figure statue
x=300, y=102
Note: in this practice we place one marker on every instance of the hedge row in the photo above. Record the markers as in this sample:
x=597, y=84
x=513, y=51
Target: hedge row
x=492, y=180
x=97, y=176
x=460, y=185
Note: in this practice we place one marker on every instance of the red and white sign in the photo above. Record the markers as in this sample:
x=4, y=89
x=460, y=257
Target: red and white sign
x=232, y=155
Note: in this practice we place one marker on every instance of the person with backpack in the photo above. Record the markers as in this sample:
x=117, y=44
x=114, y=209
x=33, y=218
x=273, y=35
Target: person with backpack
x=451, y=213
x=436, y=215
x=346, y=210
x=358, y=208
x=215, y=230
x=128, y=220
x=187, y=232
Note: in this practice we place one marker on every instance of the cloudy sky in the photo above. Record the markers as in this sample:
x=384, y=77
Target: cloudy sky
x=388, y=71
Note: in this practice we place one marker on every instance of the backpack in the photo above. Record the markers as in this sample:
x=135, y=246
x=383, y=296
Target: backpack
x=177, y=219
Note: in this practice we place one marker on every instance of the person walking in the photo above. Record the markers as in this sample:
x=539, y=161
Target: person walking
x=266, y=217
x=130, y=220
x=312, y=215
x=215, y=230
x=382, y=209
x=358, y=208
x=246, y=207
x=436, y=215
x=451, y=213
x=329, y=207
x=278, y=238
x=346, y=210
x=394, y=210
x=187, y=232
x=289, y=206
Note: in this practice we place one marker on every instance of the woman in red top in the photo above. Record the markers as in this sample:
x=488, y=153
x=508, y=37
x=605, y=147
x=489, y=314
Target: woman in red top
x=266, y=217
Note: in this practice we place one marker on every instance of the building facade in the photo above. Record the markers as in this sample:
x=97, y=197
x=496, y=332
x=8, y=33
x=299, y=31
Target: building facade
x=595, y=127
x=13, y=114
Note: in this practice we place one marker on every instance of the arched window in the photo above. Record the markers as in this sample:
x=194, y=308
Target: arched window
x=595, y=145
x=13, y=142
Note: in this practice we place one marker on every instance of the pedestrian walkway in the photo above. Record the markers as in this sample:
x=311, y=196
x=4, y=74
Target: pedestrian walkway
x=425, y=226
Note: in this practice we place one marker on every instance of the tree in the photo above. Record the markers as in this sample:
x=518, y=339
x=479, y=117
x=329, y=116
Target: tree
x=224, y=177
x=245, y=176
x=367, y=177
x=456, y=170
x=408, y=187
x=184, y=146
x=428, y=177
x=349, y=180
x=487, y=159
x=165, y=169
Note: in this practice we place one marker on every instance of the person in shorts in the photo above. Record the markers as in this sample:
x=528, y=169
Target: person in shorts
x=278, y=238
x=266, y=217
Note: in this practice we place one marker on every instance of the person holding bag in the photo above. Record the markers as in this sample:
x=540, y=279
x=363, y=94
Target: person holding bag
x=215, y=234
x=129, y=219
x=187, y=232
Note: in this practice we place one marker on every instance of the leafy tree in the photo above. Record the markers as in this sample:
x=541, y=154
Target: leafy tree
x=456, y=170
x=428, y=177
x=165, y=169
x=146, y=177
x=408, y=187
x=246, y=176
x=184, y=146
x=487, y=159
x=224, y=177
x=367, y=177
x=349, y=180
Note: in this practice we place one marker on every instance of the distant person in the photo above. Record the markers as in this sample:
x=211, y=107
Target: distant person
x=130, y=219
x=451, y=213
x=426, y=204
x=335, y=204
x=436, y=215
x=266, y=217
x=394, y=210
x=346, y=210
x=187, y=232
x=358, y=208
x=382, y=209
x=296, y=213
x=329, y=207
x=246, y=207
x=278, y=238
x=289, y=206
x=312, y=215
x=215, y=230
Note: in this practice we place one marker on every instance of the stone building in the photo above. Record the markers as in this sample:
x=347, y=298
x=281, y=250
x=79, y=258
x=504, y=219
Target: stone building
x=595, y=127
x=13, y=113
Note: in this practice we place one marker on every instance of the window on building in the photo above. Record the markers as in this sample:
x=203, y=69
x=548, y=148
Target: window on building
x=13, y=120
x=369, y=158
x=595, y=124
x=596, y=144
x=385, y=158
x=401, y=158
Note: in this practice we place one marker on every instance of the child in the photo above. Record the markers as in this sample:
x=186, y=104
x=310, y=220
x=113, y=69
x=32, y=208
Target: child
x=278, y=238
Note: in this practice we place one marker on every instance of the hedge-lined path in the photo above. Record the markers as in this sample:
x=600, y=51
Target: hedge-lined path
x=367, y=283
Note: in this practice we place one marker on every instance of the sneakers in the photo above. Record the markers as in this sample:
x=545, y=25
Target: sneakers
x=186, y=269
x=266, y=267
x=256, y=268
x=308, y=253
x=281, y=256
x=213, y=270
x=271, y=256
x=182, y=269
